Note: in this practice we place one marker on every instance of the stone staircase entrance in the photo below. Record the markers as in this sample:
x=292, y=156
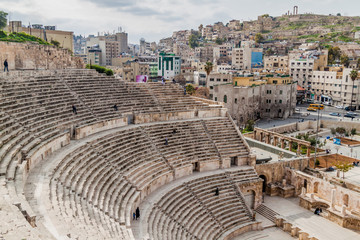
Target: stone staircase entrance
x=266, y=212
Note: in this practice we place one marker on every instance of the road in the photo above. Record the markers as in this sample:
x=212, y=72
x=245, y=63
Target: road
x=299, y=115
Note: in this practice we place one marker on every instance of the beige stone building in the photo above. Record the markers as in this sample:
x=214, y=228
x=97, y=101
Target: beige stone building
x=276, y=63
x=263, y=101
x=216, y=79
x=241, y=58
x=65, y=38
x=128, y=68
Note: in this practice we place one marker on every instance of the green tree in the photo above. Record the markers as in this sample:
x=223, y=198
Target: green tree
x=3, y=19
x=55, y=43
x=343, y=167
x=334, y=54
x=269, y=52
x=250, y=126
x=208, y=69
x=193, y=41
x=353, y=131
x=190, y=89
x=259, y=37
x=344, y=60
x=353, y=76
x=219, y=41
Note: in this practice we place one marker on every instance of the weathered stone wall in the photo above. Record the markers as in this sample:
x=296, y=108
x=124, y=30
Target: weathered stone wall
x=30, y=56
x=275, y=172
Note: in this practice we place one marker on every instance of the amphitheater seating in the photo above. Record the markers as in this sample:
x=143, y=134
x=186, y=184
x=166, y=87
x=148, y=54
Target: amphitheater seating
x=193, y=211
x=106, y=176
x=38, y=108
x=94, y=188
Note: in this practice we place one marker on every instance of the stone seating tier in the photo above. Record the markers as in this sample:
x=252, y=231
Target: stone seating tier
x=192, y=211
x=110, y=174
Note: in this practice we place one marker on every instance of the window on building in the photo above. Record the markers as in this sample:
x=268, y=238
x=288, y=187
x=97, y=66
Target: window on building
x=218, y=79
x=281, y=92
x=211, y=87
x=225, y=99
x=215, y=99
x=211, y=79
x=235, y=100
x=280, y=101
x=235, y=83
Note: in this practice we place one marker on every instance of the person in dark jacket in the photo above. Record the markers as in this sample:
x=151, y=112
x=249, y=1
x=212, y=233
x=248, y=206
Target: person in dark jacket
x=74, y=109
x=137, y=213
x=6, y=65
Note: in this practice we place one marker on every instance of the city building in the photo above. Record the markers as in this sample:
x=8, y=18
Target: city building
x=276, y=63
x=335, y=86
x=216, y=79
x=262, y=101
x=47, y=33
x=301, y=67
x=169, y=65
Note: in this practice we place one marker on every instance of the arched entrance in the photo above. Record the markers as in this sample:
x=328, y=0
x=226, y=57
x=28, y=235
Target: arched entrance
x=305, y=184
x=263, y=177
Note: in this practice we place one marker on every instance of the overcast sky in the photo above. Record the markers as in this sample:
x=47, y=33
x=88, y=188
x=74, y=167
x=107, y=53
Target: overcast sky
x=156, y=19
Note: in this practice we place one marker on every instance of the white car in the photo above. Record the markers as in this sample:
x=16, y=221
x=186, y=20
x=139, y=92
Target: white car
x=339, y=107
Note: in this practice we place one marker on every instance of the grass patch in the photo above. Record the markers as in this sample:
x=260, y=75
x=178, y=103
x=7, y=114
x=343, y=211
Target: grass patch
x=21, y=37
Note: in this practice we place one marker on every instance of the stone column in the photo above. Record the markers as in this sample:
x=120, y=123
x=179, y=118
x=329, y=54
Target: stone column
x=332, y=199
x=299, y=148
x=267, y=138
x=308, y=151
x=343, y=210
x=290, y=145
x=303, y=191
x=282, y=143
x=261, y=136
x=275, y=141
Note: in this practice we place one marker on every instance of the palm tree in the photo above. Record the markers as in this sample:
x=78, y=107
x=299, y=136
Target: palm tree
x=208, y=69
x=353, y=76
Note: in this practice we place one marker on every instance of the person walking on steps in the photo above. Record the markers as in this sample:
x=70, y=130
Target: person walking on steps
x=6, y=65
x=115, y=107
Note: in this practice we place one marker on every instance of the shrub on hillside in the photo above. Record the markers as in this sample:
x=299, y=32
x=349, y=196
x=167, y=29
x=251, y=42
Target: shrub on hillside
x=100, y=69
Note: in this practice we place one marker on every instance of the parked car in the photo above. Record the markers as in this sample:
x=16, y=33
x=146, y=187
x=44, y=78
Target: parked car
x=311, y=109
x=353, y=108
x=350, y=115
x=335, y=114
x=327, y=103
x=339, y=107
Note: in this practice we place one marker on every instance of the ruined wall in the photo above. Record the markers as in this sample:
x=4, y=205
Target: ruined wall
x=30, y=56
x=276, y=171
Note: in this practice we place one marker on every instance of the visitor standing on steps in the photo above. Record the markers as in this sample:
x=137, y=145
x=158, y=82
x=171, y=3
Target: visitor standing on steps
x=6, y=65
x=74, y=109
x=137, y=212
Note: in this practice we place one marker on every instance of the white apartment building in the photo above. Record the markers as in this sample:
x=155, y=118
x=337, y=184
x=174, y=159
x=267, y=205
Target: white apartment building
x=241, y=58
x=302, y=71
x=336, y=84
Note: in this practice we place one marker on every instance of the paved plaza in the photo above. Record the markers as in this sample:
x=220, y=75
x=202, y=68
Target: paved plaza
x=315, y=225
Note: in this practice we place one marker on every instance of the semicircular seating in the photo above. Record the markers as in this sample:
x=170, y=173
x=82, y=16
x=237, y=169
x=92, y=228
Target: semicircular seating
x=95, y=187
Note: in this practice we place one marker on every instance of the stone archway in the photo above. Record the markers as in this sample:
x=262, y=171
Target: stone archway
x=263, y=177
